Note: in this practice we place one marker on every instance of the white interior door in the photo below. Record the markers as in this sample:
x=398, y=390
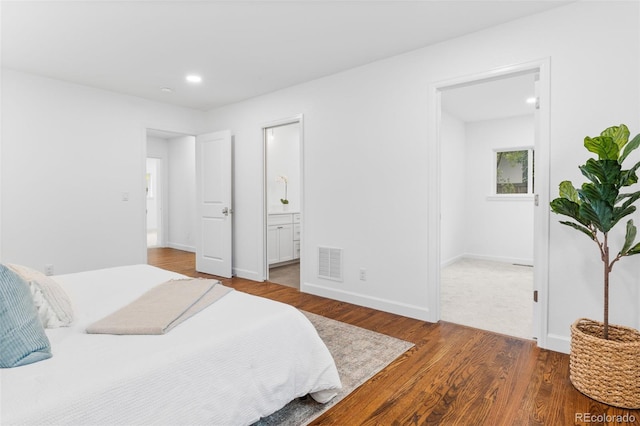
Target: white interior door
x=213, y=196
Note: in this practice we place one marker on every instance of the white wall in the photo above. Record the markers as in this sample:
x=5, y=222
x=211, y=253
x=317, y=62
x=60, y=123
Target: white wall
x=178, y=156
x=497, y=228
x=153, y=219
x=366, y=141
x=283, y=159
x=474, y=222
x=157, y=148
x=454, y=180
x=182, y=193
x=69, y=154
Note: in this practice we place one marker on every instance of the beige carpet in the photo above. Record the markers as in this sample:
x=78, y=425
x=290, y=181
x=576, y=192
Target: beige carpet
x=359, y=355
x=488, y=295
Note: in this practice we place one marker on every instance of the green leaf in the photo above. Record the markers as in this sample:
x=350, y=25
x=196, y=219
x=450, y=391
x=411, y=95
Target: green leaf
x=632, y=198
x=629, y=177
x=568, y=191
x=635, y=142
x=567, y=207
x=592, y=193
x=599, y=213
x=633, y=250
x=601, y=171
x=579, y=228
x=621, y=212
x=619, y=134
x=604, y=146
x=629, y=238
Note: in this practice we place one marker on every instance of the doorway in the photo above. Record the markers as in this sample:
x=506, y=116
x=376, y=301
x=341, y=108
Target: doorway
x=169, y=189
x=283, y=201
x=479, y=227
x=154, y=192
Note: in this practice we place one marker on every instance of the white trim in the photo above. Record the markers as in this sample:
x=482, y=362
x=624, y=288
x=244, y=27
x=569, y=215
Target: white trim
x=263, y=261
x=511, y=197
x=434, y=119
x=404, y=309
x=182, y=247
x=541, y=218
x=558, y=343
x=452, y=260
x=249, y=275
x=143, y=208
x=513, y=260
x=1, y=240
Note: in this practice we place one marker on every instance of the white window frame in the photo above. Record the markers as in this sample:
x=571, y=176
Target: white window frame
x=494, y=195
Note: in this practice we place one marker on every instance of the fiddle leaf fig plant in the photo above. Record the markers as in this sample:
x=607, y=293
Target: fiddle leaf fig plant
x=599, y=204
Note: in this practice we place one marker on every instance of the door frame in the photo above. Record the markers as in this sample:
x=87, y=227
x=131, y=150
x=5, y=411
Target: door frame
x=143, y=165
x=541, y=212
x=265, y=207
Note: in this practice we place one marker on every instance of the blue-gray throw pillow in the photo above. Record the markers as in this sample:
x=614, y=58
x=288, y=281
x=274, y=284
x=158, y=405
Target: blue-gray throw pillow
x=22, y=337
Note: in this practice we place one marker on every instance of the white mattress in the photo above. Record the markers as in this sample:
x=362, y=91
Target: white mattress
x=240, y=359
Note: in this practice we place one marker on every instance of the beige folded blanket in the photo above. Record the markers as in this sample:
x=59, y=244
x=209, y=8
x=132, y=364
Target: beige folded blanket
x=162, y=308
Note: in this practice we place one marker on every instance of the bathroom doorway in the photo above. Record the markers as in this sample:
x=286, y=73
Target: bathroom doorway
x=283, y=201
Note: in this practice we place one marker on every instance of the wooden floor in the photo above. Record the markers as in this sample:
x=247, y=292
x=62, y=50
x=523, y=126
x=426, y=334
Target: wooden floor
x=454, y=375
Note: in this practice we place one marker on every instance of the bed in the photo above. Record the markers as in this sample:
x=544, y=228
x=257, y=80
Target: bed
x=238, y=360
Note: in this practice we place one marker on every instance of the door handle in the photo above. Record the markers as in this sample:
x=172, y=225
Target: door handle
x=227, y=211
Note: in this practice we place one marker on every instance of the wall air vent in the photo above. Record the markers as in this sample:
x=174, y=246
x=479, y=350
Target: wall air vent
x=330, y=263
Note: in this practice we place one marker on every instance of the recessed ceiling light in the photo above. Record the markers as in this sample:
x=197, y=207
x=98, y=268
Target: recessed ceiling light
x=531, y=100
x=194, y=78
x=166, y=90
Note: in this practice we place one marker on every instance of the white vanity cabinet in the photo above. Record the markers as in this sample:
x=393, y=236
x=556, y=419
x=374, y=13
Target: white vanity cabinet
x=283, y=237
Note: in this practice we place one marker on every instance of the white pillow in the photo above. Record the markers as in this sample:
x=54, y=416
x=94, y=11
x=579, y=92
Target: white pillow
x=53, y=304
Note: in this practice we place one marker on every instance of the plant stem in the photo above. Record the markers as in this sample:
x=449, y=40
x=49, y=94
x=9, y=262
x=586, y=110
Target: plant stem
x=607, y=270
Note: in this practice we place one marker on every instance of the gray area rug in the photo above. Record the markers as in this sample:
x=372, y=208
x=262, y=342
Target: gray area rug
x=359, y=355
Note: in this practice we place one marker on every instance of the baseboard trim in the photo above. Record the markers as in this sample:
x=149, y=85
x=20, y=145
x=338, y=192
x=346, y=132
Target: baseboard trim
x=246, y=274
x=452, y=260
x=182, y=247
x=514, y=260
x=398, y=308
x=558, y=343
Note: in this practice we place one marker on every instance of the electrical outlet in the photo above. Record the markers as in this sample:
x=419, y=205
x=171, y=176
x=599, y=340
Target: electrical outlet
x=48, y=269
x=363, y=274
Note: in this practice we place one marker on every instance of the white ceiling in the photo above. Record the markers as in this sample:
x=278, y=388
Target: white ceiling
x=241, y=48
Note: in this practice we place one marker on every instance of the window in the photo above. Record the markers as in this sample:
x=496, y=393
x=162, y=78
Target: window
x=514, y=171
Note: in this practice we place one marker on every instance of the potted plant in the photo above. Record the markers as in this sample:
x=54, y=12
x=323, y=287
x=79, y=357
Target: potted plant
x=605, y=358
x=285, y=180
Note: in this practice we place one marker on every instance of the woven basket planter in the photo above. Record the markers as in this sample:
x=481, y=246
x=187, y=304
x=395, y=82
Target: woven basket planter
x=606, y=370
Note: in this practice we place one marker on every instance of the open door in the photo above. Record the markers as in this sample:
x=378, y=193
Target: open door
x=213, y=197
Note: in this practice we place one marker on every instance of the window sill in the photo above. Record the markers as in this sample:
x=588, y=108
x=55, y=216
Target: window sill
x=510, y=197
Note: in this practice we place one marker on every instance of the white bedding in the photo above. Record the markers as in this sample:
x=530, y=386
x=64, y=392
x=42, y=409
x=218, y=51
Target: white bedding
x=240, y=359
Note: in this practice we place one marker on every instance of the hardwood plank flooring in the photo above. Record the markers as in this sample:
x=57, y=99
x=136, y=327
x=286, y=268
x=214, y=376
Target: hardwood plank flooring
x=454, y=375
